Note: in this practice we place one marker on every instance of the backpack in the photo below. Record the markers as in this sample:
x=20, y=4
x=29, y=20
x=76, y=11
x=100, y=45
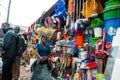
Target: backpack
x=21, y=45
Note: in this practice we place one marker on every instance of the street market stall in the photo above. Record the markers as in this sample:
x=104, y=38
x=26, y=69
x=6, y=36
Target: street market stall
x=81, y=33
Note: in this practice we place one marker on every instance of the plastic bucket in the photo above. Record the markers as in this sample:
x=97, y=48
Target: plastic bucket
x=111, y=26
x=80, y=40
x=100, y=77
x=111, y=12
x=98, y=32
x=93, y=40
x=112, y=3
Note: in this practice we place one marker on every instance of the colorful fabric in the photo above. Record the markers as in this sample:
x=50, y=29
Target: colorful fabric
x=91, y=7
x=41, y=72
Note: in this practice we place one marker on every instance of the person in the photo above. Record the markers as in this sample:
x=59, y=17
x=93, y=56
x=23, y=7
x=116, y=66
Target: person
x=9, y=54
x=41, y=71
x=16, y=65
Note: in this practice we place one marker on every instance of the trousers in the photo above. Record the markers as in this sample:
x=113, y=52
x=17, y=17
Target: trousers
x=16, y=69
x=7, y=69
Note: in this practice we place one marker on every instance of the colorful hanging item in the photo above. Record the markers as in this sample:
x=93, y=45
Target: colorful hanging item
x=71, y=7
x=97, y=23
x=90, y=6
x=60, y=9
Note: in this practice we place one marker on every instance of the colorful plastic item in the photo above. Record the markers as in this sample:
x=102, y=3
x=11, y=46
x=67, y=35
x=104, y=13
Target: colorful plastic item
x=112, y=3
x=111, y=12
x=93, y=41
x=60, y=9
x=111, y=26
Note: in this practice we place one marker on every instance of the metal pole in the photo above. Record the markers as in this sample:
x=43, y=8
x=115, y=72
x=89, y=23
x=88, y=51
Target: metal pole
x=8, y=13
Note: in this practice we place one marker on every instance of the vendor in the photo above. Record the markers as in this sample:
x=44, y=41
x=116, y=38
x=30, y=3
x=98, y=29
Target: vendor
x=41, y=71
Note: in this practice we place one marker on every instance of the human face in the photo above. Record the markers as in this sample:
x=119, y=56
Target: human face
x=4, y=28
x=16, y=31
x=43, y=40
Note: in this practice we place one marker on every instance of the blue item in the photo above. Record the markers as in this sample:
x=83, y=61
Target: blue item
x=43, y=51
x=81, y=27
x=111, y=26
x=60, y=9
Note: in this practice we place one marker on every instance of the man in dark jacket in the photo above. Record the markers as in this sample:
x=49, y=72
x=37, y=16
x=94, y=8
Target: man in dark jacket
x=9, y=55
x=16, y=65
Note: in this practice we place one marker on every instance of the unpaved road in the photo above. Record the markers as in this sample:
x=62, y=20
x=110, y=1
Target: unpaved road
x=25, y=74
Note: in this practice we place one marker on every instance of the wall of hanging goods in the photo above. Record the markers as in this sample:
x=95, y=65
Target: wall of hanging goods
x=85, y=37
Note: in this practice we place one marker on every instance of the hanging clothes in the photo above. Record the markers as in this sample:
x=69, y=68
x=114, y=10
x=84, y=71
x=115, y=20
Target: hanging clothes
x=91, y=7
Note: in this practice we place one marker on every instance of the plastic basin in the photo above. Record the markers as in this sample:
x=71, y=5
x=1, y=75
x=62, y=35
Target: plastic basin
x=112, y=3
x=111, y=12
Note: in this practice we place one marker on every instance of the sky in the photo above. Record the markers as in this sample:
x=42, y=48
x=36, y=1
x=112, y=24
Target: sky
x=24, y=12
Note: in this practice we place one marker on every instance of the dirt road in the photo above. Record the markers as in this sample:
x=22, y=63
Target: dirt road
x=25, y=73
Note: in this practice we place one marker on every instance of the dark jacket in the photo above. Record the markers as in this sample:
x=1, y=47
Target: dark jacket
x=9, y=45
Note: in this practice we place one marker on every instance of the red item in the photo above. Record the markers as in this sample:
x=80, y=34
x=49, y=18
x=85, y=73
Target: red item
x=108, y=45
x=76, y=45
x=67, y=75
x=80, y=37
x=92, y=65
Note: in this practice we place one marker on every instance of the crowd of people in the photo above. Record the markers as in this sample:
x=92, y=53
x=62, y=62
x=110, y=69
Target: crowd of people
x=14, y=45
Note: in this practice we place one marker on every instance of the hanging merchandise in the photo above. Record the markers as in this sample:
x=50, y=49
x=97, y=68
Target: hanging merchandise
x=90, y=7
x=60, y=9
x=101, y=53
x=71, y=7
x=97, y=25
x=80, y=37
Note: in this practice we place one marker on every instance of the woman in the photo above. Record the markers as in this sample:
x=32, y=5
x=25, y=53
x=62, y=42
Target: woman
x=41, y=71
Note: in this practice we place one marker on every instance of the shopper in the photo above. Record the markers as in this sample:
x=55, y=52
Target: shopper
x=20, y=45
x=41, y=71
x=9, y=54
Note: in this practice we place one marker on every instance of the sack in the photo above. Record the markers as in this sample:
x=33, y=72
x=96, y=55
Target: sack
x=21, y=45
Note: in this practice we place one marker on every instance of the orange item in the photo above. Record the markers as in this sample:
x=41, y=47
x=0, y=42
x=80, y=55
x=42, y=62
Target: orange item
x=71, y=7
x=65, y=37
x=91, y=7
x=80, y=40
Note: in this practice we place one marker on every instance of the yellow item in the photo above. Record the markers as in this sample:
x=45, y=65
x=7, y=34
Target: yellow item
x=90, y=7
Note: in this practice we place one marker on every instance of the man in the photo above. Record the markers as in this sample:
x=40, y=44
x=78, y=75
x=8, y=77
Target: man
x=20, y=46
x=9, y=54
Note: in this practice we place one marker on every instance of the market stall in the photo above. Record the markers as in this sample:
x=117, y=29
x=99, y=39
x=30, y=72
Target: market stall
x=81, y=34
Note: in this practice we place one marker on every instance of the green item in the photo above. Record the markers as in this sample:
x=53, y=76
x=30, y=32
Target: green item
x=39, y=25
x=93, y=40
x=100, y=77
x=111, y=12
x=73, y=71
x=97, y=23
x=58, y=78
x=112, y=3
x=72, y=77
